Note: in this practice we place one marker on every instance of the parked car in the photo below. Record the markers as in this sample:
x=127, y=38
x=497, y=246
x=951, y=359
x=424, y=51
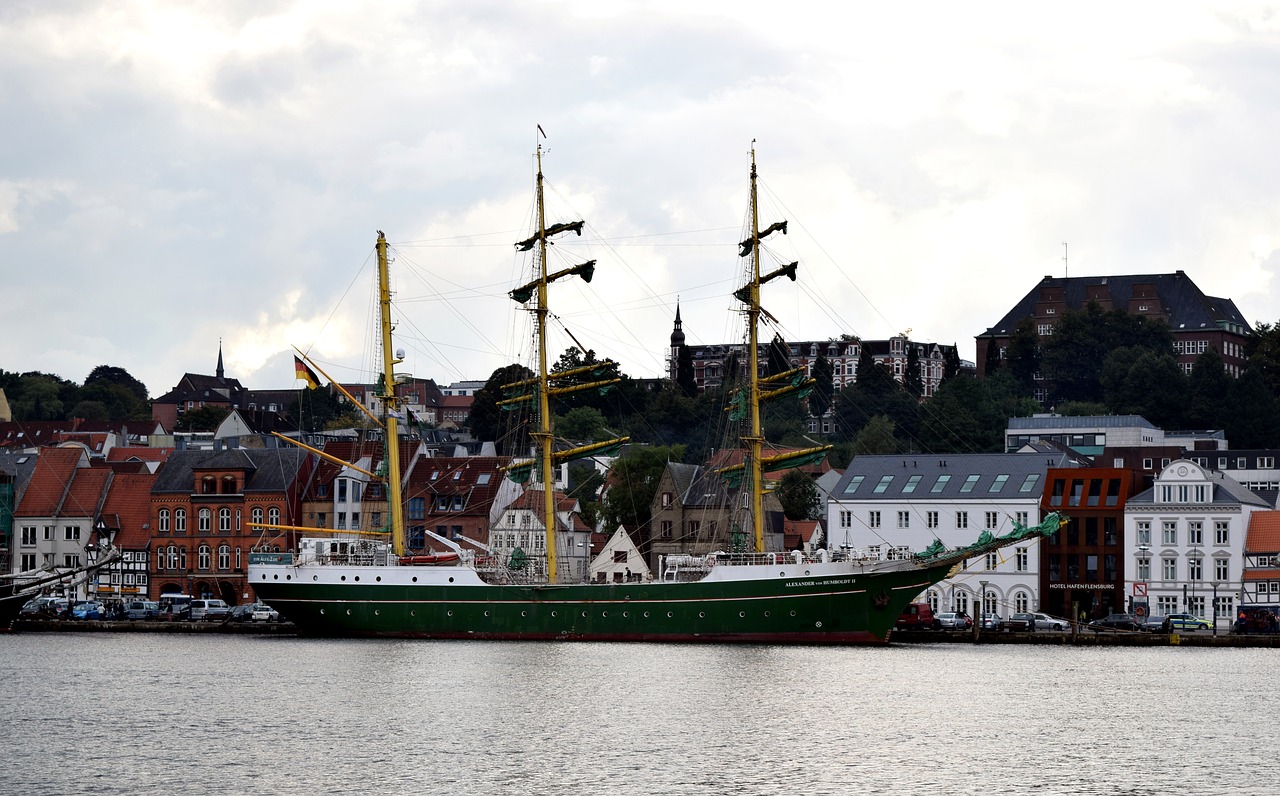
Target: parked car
x=917, y=616
x=264, y=613
x=141, y=609
x=54, y=606
x=88, y=610
x=1116, y=622
x=952, y=620
x=990, y=621
x=1187, y=622
x=1030, y=622
x=175, y=606
x=1157, y=624
x=208, y=609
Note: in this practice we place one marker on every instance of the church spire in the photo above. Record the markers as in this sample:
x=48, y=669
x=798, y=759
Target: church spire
x=219, y=371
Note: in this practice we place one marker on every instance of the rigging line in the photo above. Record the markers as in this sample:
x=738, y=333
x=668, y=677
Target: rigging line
x=342, y=298
x=843, y=272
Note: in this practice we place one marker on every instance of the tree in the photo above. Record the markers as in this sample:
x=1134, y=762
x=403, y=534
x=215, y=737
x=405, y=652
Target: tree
x=115, y=375
x=1072, y=357
x=778, y=357
x=634, y=482
x=911, y=379
x=950, y=364
x=685, y=378
x=39, y=398
x=1252, y=412
x=798, y=495
x=823, y=387
x=508, y=430
x=319, y=409
x=584, y=424
x=964, y=416
x=206, y=418
x=1263, y=353
x=876, y=437
x=1207, y=390
x=1024, y=354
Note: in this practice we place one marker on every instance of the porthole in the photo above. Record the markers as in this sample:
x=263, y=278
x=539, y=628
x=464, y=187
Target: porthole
x=742, y=614
x=451, y=579
x=668, y=614
x=817, y=624
x=584, y=614
x=448, y=613
x=626, y=614
x=275, y=577
x=378, y=579
x=524, y=613
x=793, y=613
x=288, y=577
x=348, y=612
x=344, y=577
x=604, y=613
x=322, y=612
x=553, y=613
x=701, y=615
x=806, y=572
x=413, y=613
x=415, y=578
x=315, y=577
x=766, y=614
x=357, y=577
x=486, y=613
x=782, y=574
x=646, y=614
x=377, y=612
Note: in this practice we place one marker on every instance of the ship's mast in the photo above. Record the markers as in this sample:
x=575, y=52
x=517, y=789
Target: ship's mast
x=391, y=402
x=543, y=436
x=754, y=439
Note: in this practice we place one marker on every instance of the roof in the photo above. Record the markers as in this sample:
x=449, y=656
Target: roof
x=1040, y=422
x=1263, y=535
x=1226, y=492
x=972, y=476
x=49, y=482
x=269, y=469
x=1186, y=306
x=128, y=509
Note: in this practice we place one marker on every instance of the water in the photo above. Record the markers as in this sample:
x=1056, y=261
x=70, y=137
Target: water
x=152, y=713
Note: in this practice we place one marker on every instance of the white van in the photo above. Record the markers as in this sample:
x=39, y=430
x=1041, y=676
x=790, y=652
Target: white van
x=175, y=606
x=209, y=609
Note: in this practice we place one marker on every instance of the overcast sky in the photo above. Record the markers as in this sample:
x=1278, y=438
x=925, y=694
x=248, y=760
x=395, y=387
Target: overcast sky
x=179, y=174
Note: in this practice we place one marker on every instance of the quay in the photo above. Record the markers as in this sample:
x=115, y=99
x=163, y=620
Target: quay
x=153, y=626
x=1086, y=638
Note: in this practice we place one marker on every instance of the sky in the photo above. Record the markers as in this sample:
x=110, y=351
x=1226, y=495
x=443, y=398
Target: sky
x=175, y=177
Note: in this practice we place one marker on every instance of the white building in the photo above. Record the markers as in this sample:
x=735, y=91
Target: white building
x=1186, y=538
x=896, y=505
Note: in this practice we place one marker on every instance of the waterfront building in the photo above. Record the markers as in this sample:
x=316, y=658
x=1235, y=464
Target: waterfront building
x=455, y=498
x=896, y=505
x=518, y=537
x=206, y=511
x=56, y=515
x=1260, y=585
x=1186, y=537
x=1083, y=567
x=125, y=521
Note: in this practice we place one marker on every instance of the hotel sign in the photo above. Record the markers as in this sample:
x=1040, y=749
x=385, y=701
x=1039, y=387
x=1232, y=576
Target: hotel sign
x=1092, y=586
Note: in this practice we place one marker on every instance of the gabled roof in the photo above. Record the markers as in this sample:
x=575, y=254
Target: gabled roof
x=1226, y=491
x=1186, y=306
x=50, y=482
x=128, y=509
x=1263, y=536
x=973, y=476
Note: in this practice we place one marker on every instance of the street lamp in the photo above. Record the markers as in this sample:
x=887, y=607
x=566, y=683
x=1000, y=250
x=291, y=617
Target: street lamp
x=982, y=608
x=1215, y=607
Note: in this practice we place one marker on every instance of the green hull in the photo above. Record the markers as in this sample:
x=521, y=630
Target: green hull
x=832, y=609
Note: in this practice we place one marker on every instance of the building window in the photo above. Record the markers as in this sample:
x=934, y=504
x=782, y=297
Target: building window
x=71, y=533
x=1020, y=558
x=1169, y=568
x=962, y=520
x=224, y=520
x=1195, y=568
x=904, y=519
x=1021, y=517
x=205, y=518
x=1195, y=532
x=667, y=528
x=342, y=490
x=992, y=519
x=969, y=483
x=1144, y=569
x=202, y=557
x=1029, y=483
x=993, y=560
x=667, y=499
x=1021, y=602
x=1144, y=532
x=1169, y=532
x=846, y=518
x=940, y=484
x=1167, y=605
x=1220, y=533
x=1221, y=569
x=256, y=514
x=224, y=557
x=931, y=519
x=884, y=484
x=163, y=521
x=873, y=519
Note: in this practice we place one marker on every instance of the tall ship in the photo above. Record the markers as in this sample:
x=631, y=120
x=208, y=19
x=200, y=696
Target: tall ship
x=371, y=587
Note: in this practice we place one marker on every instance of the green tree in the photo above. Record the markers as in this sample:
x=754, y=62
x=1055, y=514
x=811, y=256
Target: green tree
x=39, y=397
x=1024, y=354
x=876, y=437
x=206, y=418
x=634, y=482
x=912, y=381
x=116, y=375
x=963, y=416
x=1072, y=357
x=508, y=430
x=1252, y=412
x=584, y=485
x=950, y=364
x=1207, y=389
x=1262, y=350
x=823, y=387
x=798, y=495
x=321, y=408
x=584, y=424
x=685, y=377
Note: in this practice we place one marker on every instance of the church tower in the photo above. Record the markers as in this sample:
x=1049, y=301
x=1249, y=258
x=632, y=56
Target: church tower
x=677, y=343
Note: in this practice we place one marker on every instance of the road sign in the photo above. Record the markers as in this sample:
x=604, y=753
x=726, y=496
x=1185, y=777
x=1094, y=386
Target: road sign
x=1140, y=610
x=1139, y=590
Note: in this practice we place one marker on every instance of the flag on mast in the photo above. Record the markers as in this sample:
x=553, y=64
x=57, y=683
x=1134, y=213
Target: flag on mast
x=302, y=371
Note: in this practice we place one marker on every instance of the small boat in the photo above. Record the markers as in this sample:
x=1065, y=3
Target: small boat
x=371, y=587
x=429, y=559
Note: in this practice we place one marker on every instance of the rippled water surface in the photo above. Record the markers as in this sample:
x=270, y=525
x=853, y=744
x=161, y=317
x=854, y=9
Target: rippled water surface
x=125, y=714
